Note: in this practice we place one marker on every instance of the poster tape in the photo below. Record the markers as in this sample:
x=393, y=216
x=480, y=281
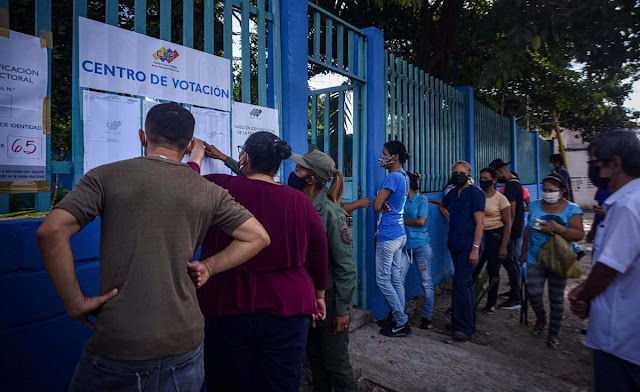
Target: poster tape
x=46, y=39
x=46, y=115
x=4, y=22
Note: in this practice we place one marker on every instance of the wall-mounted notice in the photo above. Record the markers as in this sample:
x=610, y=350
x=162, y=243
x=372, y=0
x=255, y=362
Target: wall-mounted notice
x=114, y=59
x=212, y=126
x=23, y=86
x=111, y=124
x=249, y=119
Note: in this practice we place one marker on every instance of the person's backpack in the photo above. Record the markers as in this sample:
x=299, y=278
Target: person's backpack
x=558, y=257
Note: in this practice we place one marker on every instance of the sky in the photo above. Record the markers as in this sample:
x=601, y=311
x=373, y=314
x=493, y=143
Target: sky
x=633, y=101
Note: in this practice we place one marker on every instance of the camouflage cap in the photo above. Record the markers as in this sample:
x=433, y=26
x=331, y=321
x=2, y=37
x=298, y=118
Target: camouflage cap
x=317, y=161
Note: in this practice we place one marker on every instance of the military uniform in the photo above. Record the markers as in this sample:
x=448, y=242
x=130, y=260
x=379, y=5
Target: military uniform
x=329, y=352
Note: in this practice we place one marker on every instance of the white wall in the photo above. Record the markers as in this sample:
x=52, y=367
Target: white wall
x=583, y=189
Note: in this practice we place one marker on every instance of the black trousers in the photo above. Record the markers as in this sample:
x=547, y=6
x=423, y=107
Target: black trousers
x=255, y=352
x=492, y=241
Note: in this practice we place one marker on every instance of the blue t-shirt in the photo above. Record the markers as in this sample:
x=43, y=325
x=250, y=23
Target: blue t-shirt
x=537, y=238
x=462, y=226
x=391, y=224
x=416, y=207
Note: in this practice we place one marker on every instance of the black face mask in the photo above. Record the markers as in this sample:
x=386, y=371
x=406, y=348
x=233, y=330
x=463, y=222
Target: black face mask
x=486, y=184
x=459, y=179
x=594, y=176
x=296, y=182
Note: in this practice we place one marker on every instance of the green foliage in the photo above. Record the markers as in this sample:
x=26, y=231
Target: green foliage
x=479, y=287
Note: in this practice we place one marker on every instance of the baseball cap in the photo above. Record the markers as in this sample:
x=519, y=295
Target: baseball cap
x=317, y=161
x=498, y=163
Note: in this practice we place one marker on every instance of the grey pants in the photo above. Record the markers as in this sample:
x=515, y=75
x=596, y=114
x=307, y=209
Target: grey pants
x=536, y=278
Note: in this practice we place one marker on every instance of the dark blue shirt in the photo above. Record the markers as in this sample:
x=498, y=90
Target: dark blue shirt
x=462, y=226
x=601, y=196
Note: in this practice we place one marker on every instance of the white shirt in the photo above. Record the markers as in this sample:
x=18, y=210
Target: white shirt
x=614, y=318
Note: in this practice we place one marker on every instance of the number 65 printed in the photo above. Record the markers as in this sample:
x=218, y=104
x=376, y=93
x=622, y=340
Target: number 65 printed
x=24, y=147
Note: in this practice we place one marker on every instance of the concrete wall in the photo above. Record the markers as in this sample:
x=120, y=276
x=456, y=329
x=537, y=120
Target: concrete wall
x=40, y=343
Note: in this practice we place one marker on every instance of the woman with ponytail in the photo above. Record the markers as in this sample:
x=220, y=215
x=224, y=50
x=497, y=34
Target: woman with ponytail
x=327, y=348
x=258, y=314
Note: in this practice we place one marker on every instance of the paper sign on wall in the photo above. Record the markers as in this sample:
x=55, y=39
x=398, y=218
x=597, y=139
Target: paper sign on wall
x=212, y=126
x=23, y=86
x=249, y=119
x=111, y=124
x=114, y=59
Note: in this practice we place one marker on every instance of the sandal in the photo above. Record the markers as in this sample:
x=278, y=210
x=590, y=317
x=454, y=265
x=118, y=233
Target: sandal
x=538, y=328
x=553, y=342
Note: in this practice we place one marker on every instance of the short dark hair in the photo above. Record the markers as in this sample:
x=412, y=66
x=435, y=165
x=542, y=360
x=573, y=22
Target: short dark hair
x=266, y=151
x=557, y=158
x=414, y=181
x=623, y=143
x=491, y=171
x=397, y=148
x=169, y=125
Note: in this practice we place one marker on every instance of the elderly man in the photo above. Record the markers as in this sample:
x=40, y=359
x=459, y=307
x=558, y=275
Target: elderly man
x=610, y=296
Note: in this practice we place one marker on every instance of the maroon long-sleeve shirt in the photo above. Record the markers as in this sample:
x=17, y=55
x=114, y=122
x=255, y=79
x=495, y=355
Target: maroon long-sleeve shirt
x=282, y=278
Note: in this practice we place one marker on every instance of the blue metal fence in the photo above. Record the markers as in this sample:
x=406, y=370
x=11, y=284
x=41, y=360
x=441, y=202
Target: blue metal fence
x=493, y=138
x=526, y=156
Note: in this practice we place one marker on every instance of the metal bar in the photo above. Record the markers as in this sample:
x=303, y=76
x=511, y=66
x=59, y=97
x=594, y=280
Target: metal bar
x=410, y=127
x=405, y=85
x=340, y=21
x=423, y=127
x=228, y=34
x=275, y=4
x=209, y=26
x=316, y=35
x=398, y=100
x=332, y=89
x=350, y=42
x=336, y=69
x=253, y=10
x=327, y=124
x=165, y=20
x=341, y=131
x=340, y=45
x=140, y=15
x=392, y=97
x=187, y=23
x=262, y=55
x=77, y=138
x=328, y=42
x=314, y=119
x=111, y=12
x=246, y=53
x=416, y=119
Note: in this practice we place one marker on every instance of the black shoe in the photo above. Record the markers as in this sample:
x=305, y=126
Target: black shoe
x=505, y=295
x=387, y=322
x=426, y=324
x=460, y=336
x=448, y=327
x=510, y=305
x=489, y=310
x=396, y=331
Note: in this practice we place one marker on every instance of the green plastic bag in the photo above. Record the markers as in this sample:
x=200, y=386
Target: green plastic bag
x=557, y=256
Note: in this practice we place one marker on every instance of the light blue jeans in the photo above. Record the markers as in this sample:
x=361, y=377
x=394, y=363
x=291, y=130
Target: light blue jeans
x=421, y=257
x=389, y=276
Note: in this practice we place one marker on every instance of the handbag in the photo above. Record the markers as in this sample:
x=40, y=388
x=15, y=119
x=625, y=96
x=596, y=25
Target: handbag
x=558, y=257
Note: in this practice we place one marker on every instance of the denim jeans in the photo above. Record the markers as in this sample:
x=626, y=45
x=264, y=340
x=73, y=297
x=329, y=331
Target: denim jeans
x=183, y=372
x=421, y=257
x=255, y=352
x=463, y=297
x=389, y=276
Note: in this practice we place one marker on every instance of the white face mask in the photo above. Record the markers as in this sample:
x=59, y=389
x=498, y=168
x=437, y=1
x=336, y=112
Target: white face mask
x=551, y=197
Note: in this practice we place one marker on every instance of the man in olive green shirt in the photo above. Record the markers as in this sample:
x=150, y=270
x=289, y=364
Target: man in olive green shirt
x=328, y=342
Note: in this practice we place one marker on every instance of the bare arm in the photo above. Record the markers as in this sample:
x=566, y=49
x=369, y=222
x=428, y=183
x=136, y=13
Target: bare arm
x=478, y=217
x=53, y=237
x=197, y=154
x=421, y=221
x=506, y=231
x=575, y=231
x=249, y=239
x=380, y=199
x=354, y=205
x=525, y=245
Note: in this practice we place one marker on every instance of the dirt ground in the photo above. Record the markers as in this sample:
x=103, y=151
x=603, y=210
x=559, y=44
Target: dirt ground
x=570, y=362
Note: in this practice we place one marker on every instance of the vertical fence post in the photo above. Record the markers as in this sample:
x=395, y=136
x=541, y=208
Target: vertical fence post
x=376, y=132
x=537, y=153
x=514, y=143
x=469, y=103
x=4, y=198
x=294, y=30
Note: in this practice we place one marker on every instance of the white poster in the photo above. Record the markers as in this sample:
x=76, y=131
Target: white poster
x=23, y=86
x=114, y=59
x=212, y=126
x=249, y=119
x=111, y=124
